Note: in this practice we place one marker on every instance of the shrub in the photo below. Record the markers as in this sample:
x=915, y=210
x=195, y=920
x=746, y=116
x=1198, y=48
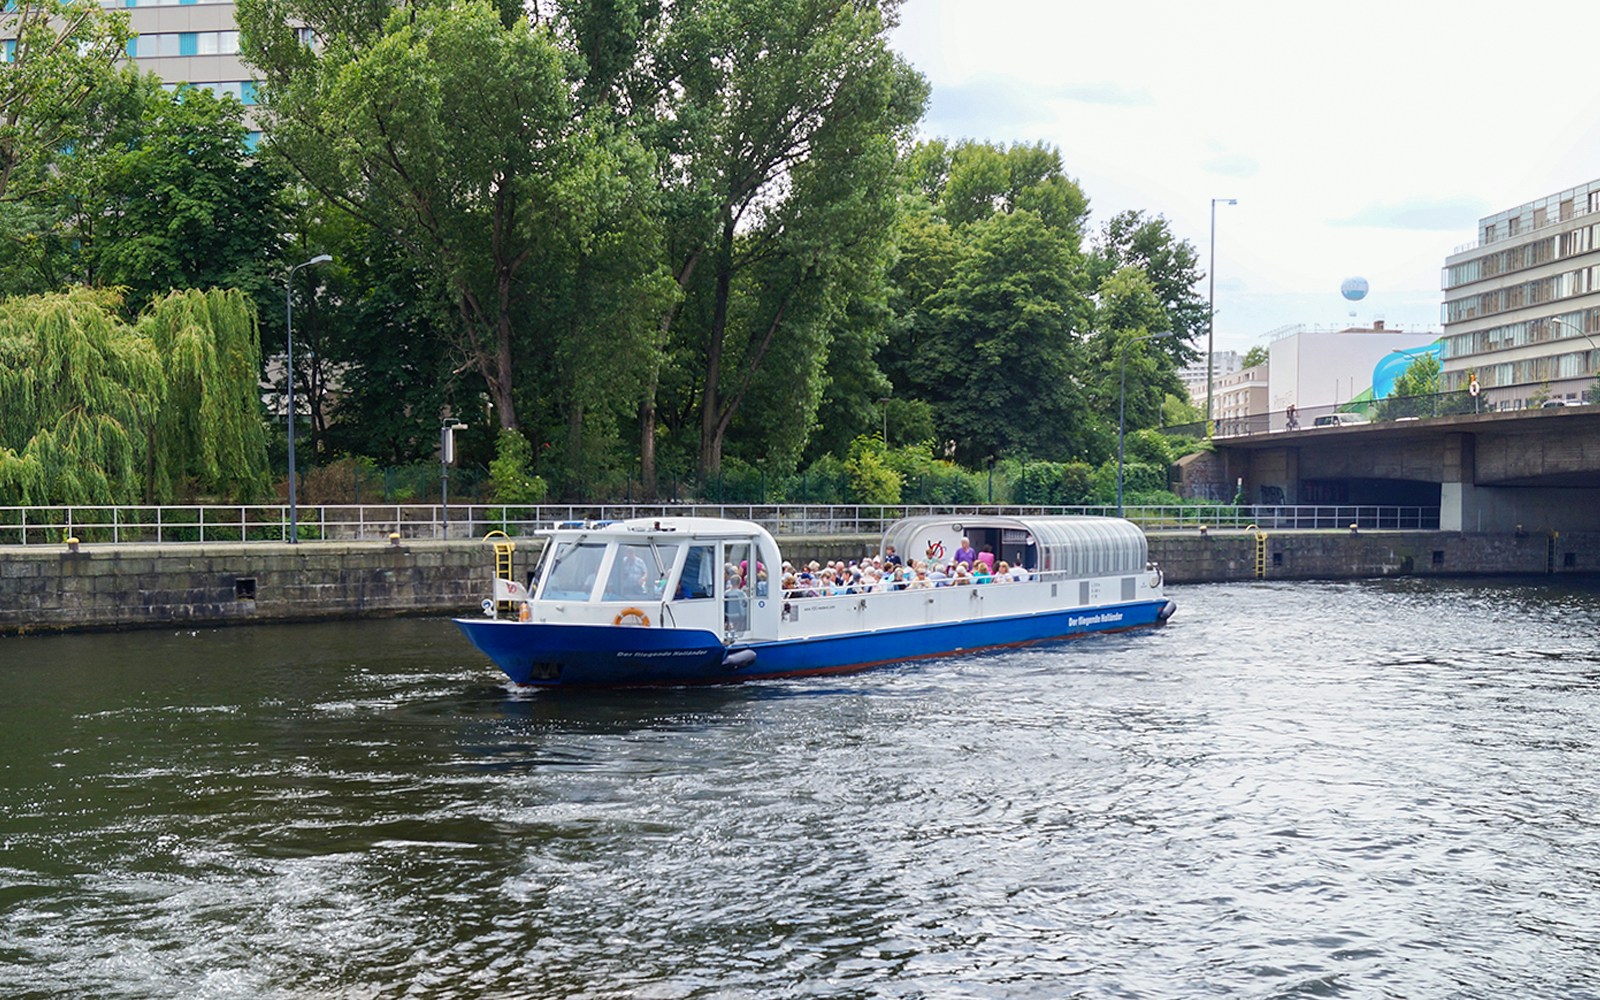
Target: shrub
x=871, y=478
x=510, y=474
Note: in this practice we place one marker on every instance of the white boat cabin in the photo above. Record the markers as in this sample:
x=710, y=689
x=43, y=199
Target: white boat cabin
x=679, y=572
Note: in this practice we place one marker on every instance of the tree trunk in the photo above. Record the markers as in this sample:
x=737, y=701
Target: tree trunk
x=647, y=443
x=504, y=380
x=577, y=484
x=647, y=409
x=712, y=428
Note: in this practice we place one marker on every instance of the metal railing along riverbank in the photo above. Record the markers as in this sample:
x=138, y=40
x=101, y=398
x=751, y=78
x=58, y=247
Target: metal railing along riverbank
x=356, y=522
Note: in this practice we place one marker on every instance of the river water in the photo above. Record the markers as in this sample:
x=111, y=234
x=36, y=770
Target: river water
x=1383, y=789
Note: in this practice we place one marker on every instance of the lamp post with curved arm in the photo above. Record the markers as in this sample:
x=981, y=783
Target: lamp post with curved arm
x=288, y=324
x=1122, y=404
x=1211, y=308
x=1569, y=324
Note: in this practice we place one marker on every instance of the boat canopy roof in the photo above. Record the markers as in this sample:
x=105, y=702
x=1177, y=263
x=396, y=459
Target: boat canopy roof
x=662, y=529
x=1075, y=546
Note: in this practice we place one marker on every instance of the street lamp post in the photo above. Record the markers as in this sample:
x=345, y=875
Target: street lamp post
x=1122, y=405
x=1211, y=307
x=884, y=403
x=1569, y=324
x=288, y=326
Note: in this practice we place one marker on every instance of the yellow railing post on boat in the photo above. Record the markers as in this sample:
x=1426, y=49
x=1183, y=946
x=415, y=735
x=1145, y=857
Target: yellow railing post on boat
x=503, y=547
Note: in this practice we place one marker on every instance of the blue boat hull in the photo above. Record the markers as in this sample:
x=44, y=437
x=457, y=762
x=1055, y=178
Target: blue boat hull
x=618, y=656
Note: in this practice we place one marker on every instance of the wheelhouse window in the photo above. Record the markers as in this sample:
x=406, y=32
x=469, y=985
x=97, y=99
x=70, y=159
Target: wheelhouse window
x=639, y=572
x=573, y=571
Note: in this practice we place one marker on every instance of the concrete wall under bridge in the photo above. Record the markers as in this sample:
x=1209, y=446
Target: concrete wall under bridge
x=132, y=586
x=1531, y=470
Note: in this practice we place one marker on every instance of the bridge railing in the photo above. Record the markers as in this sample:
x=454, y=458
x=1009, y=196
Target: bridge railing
x=376, y=522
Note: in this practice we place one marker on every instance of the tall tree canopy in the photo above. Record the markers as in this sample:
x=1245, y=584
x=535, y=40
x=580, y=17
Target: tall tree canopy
x=1171, y=269
x=450, y=127
x=775, y=125
x=991, y=295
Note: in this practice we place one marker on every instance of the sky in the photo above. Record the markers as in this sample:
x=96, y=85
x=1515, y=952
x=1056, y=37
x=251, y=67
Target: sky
x=1359, y=139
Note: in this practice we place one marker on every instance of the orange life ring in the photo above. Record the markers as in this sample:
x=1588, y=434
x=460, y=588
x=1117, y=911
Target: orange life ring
x=631, y=616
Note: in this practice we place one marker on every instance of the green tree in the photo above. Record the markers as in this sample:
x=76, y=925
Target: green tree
x=1257, y=355
x=60, y=54
x=988, y=292
x=450, y=128
x=1134, y=375
x=1137, y=240
x=78, y=390
x=1415, y=391
x=180, y=203
x=94, y=410
x=1002, y=364
x=777, y=140
x=872, y=480
x=208, y=438
x=511, y=473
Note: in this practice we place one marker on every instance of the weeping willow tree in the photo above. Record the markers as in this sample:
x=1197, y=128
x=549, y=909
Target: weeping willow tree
x=93, y=410
x=207, y=437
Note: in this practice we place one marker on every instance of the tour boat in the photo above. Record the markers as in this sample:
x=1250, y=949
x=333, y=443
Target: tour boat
x=688, y=600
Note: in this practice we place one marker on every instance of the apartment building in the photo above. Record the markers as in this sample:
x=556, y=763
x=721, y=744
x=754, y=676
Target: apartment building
x=187, y=43
x=1521, y=307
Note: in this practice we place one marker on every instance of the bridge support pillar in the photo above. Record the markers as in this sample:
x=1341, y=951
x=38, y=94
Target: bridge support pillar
x=1275, y=475
x=1460, y=507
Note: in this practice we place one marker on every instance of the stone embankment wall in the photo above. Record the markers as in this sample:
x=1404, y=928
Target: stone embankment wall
x=49, y=588
x=1190, y=557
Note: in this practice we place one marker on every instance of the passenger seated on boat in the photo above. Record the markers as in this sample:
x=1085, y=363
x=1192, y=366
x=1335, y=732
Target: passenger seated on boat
x=1002, y=572
x=962, y=576
x=938, y=576
x=980, y=573
x=922, y=582
x=761, y=583
x=1019, y=573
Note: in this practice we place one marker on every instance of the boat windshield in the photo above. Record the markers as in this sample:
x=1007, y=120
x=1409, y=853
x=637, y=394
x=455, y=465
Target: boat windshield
x=639, y=572
x=573, y=571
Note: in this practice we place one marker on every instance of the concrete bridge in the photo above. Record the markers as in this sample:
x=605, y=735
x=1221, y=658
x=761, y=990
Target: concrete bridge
x=1527, y=470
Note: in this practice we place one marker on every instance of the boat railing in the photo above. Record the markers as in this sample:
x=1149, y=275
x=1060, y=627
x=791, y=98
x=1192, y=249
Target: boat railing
x=212, y=523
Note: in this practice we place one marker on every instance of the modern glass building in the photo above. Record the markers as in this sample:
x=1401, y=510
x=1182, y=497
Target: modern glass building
x=1522, y=305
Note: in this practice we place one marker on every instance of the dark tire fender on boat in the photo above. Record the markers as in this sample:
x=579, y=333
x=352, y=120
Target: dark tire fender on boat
x=740, y=659
x=1166, y=611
